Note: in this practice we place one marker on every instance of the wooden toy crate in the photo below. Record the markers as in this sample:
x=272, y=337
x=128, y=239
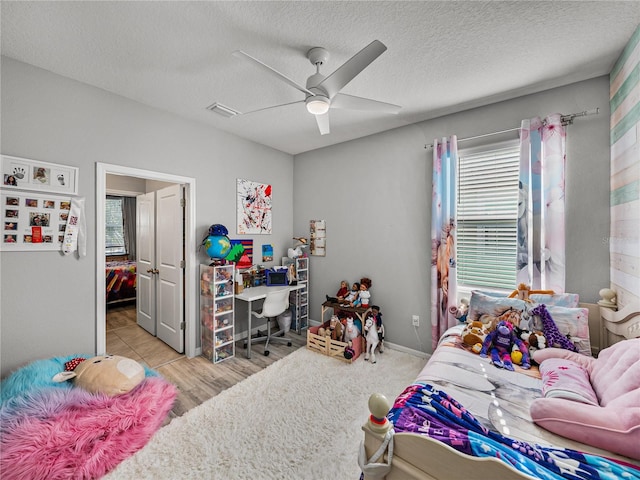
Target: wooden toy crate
x=331, y=348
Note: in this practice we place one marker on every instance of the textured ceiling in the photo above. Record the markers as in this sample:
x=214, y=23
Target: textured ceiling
x=442, y=57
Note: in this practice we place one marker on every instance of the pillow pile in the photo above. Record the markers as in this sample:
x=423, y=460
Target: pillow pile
x=563, y=308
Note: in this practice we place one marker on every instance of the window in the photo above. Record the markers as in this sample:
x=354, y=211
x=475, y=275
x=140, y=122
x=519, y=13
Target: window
x=114, y=228
x=487, y=229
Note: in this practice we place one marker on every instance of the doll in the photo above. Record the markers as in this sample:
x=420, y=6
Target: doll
x=341, y=293
x=351, y=296
x=364, y=296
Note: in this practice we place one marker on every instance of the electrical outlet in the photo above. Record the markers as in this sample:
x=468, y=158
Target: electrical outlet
x=416, y=320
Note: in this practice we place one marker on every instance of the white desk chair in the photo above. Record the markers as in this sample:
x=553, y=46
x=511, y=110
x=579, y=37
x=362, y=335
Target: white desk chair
x=275, y=303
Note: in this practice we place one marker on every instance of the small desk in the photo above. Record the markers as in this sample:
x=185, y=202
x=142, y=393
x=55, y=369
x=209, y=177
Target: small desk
x=252, y=294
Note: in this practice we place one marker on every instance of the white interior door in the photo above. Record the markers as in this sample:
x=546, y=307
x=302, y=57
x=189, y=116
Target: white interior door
x=170, y=263
x=146, y=262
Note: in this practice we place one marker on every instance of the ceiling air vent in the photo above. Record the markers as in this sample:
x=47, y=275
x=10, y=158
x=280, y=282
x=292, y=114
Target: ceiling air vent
x=223, y=110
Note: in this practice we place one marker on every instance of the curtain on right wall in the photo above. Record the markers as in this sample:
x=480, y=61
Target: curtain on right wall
x=624, y=241
x=541, y=206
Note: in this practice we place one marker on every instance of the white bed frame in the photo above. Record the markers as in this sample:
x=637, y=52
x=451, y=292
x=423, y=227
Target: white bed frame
x=422, y=458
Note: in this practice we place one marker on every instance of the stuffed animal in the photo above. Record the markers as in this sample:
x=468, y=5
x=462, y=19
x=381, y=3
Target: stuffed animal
x=110, y=374
x=474, y=333
x=554, y=337
x=499, y=343
x=371, y=336
x=460, y=312
x=523, y=291
x=535, y=340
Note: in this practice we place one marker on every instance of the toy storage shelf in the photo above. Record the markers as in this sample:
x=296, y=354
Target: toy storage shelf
x=300, y=298
x=217, y=306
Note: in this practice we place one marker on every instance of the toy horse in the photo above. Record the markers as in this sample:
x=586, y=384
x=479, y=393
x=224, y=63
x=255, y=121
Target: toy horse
x=350, y=330
x=371, y=338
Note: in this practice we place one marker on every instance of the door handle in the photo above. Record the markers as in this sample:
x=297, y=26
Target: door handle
x=153, y=271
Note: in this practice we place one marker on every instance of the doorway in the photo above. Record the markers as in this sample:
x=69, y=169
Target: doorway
x=190, y=331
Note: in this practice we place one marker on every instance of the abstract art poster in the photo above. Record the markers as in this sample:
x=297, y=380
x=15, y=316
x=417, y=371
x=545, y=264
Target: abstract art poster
x=254, y=207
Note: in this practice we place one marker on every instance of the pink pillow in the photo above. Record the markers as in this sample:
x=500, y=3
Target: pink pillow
x=614, y=425
x=563, y=378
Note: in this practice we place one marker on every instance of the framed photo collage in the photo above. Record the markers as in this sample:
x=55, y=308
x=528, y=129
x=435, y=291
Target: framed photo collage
x=35, y=208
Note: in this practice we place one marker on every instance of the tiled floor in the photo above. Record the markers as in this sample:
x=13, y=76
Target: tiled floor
x=126, y=338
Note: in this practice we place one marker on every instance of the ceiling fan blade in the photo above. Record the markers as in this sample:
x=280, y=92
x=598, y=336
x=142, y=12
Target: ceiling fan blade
x=342, y=100
x=352, y=67
x=323, y=123
x=267, y=68
x=271, y=107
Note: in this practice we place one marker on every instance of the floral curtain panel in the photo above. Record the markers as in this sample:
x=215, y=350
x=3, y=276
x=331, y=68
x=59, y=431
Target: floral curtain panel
x=541, y=222
x=443, y=222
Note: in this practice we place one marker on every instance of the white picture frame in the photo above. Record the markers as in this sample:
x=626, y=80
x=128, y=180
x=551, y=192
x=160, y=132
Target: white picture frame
x=34, y=175
x=254, y=203
x=318, y=238
x=33, y=221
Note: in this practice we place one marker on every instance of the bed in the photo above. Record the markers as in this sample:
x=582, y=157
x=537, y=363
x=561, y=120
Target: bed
x=120, y=281
x=458, y=386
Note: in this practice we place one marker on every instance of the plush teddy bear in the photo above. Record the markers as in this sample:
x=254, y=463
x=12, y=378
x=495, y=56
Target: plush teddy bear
x=110, y=374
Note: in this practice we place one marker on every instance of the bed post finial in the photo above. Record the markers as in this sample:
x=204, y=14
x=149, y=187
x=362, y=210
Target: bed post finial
x=379, y=407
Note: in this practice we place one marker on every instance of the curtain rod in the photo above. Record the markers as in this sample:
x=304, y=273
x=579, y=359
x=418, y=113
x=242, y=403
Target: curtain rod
x=564, y=119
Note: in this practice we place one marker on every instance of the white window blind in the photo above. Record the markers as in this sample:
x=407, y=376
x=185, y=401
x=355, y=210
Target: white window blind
x=487, y=214
x=114, y=228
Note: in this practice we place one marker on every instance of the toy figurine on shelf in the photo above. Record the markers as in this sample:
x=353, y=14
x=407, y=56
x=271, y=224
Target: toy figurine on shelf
x=341, y=293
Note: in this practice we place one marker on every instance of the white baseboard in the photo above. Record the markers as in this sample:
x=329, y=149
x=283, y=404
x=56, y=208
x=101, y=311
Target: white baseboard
x=410, y=351
x=392, y=346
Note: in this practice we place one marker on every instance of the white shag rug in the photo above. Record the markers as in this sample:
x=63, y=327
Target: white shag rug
x=299, y=418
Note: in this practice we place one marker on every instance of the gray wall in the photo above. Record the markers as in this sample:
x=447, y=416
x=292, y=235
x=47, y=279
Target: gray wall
x=375, y=195
x=47, y=300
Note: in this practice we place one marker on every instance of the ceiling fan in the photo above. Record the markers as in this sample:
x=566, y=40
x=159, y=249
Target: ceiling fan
x=323, y=92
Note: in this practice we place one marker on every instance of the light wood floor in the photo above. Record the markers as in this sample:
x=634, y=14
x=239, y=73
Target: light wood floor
x=197, y=379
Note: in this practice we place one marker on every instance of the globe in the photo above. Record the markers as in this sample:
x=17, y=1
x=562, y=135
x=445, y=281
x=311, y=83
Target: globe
x=217, y=246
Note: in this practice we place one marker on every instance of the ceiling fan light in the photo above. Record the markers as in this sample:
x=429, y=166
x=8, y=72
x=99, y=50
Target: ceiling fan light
x=317, y=105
